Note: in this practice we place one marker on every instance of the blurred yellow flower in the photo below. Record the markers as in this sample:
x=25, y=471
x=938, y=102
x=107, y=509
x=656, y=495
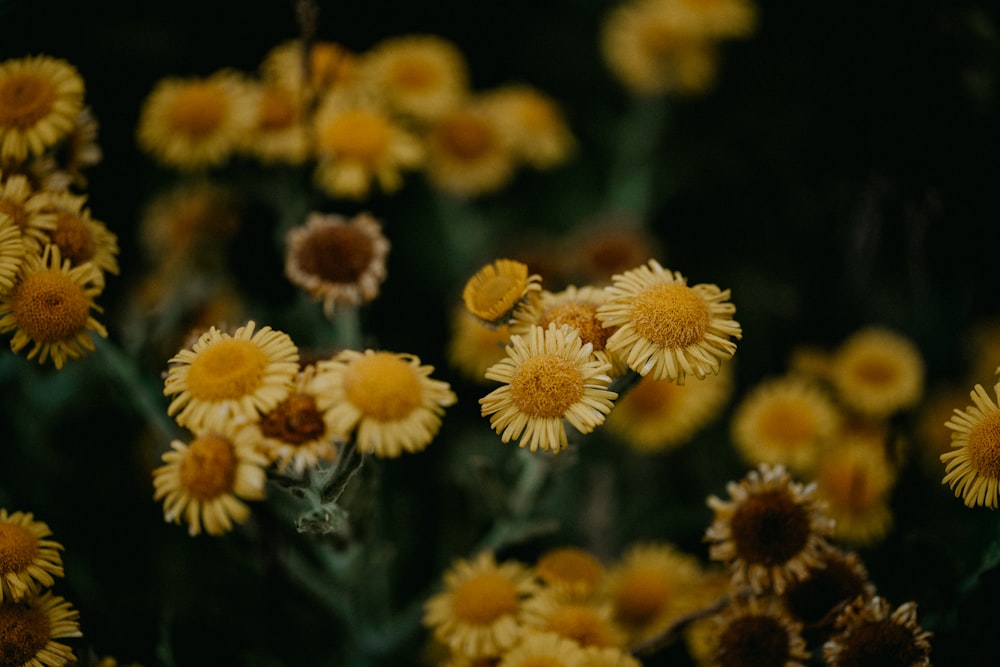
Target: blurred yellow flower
x=877, y=372
x=469, y=150
x=31, y=626
x=475, y=346
x=40, y=99
x=536, y=125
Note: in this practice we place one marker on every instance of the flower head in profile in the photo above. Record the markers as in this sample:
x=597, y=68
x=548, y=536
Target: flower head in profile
x=667, y=328
x=474, y=346
x=871, y=632
x=40, y=99
x=758, y=631
x=498, y=289
x=29, y=560
x=539, y=134
x=30, y=627
x=205, y=482
x=387, y=400
x=477, y=614
x=972, y=467
x=231, y=376
x=770, y=531
x=21, y=204
x=337, y=260
x=878, y=372
x=11, y=252
x=549, y=377
x=49, y=308
x=78, y=235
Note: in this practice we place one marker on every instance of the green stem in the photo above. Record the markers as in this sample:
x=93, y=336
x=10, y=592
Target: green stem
x=630, y=185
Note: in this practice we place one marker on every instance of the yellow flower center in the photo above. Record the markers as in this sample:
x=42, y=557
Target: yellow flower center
x=226, y=369
x=876, y=371
x=383, y=387
x=984, y=446
x=24, y=632
x=484, y=597
x=50, y=307
x=25, y=99
x=198, y=110
x=582, y=624
x=569, y=565
x=336, y=253
x=15, y=211
x=209, y=467
x=277, y=110
x=787, y=424
x=75, y=240
x=295, y=420
x=641, y=595
x=671, y=315
x=652, y=398
x=466, y=137
x=357, y=134
x=848, y=486
x=657, y=39
x=536, y=113
x=770, y=528
x=414, y=75
x=582, y=317
x=18, y=548
x=546, y=386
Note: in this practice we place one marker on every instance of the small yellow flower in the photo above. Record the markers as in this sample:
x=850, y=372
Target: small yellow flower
x=871, y=632
x=29, y=628
x=549, y=377
x=20, y=203
x=280, y=133
x=588, y=623
x=570, y=570
x=330, y=65
x=29, y=561
x=972, y=467
x=878, y=372
x=469, y=150
x=498, y=288
x=539, y=133
x=80, y=237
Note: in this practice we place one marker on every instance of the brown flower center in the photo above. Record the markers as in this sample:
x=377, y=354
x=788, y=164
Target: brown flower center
x=24, y=632
x=18, y=548
x=25, y=99
x=357, y=134
x=984, y=446
x=383, y=387
x=226, y=369
x=483, y=598
x=336, y=253
x=50, y=307
x=880, y=644
x=642, y=595
x=581, y=316
x=15, y=211
x=769, y=528
x=466, y=137
x=75, y=240
x=295, y=420
x=812, y=599
x=198, y=110
x=756, y=640
x=546, y=386
x=671, y=315
x=208, y=470
x=787, y=424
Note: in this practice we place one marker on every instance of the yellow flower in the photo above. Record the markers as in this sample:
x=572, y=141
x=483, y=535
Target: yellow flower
x=279, y=133
x=330, y=66
x=545, y=649
x=477, y=613
x=418, y=75
x=758, y=631
x=588, y=623
x=878, y=372
x=539, y=133
x=11, y=252
x=79, y=237
x=63, y=167
x=469, y=150
x=719, y=19
x=498, y=289
x=359, y=144
x=387, y=399
x=191, y=123
x=49, y=307
x=549, y=377
x=29, y=628
x=785, y=420
x=972, y=467
x=666, y=327
x=40, y=98
x=21, y=203
x=337, y=260
x=770, y=532
x=474, y=346
x=223, y=377
x=871, y=632
x=28, y=561
x=205, y=481
x=570, y=570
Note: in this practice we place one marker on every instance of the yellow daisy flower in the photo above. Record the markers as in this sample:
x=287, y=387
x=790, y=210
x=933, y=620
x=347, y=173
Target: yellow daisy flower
x=972, y=467
x=11, y=252
x=758, y=631
x=573, y=571
x=388, y=400
x=418, y=75
x=337, y=260
x=280, y=133
x=545, y=648
x=839, y=578
x=238, y=376
x=550, y=376
x=770, y=531
x=359, y=144
x=40, y=98
x=49, y=307
x=80, y=238
x=331, y=66
x=786, y=420
x=666, y=327
x=29, y=628
x=62, y=168
x=878, y=372
x=473, y=346
x=197, y=122
x=871, y=632
x=21, y=203
x=204, y=482
x=659, y=415
x=588, y=623
x=477, y=613
x=28, y=560
x=538, y=130
x=498, y=289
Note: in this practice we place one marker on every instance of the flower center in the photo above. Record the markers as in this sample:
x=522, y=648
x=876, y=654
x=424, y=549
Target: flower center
x=198, y=110
x=24, y=632
x=984, y=446
x=226, y=369
x=209, y=468
x=569, y=565
x=277, y=110
x=753, y=640
x=671, y=315
x=337, y=254
x=769, y=528
x=358, y=135
x=466, y=137
x=50, y=307
x=383, y=387
x=414, y=75
x=15, y=211
x=484, y=598
x=880, y=644
x=25, y=99
x=652, y=397
x=876, y=371
x=582, y=317
x=18, y=548
x=581, y=624
x=295, y=420
x=546, y=386
x=75, y=240
x=641, y=596
x=787, y=424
